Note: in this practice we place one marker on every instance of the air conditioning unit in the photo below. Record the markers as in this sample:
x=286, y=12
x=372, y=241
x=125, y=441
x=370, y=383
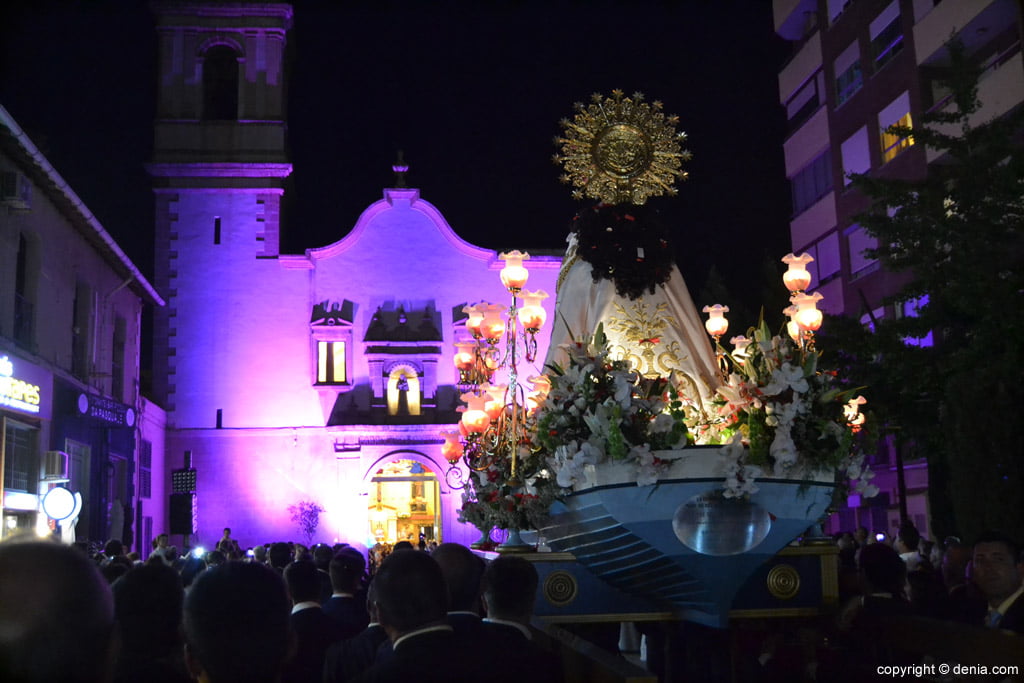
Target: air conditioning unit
x=15, y=190
x=55, y=466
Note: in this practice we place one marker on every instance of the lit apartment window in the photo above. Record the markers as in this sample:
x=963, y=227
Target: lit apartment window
x=812, y=182
x=856, y=155
x=849, y=75
x=330, y=362
x=897, y=113
x=886, y=35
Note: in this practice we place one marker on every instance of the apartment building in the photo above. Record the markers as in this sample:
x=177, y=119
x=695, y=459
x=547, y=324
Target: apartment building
x=857, y=68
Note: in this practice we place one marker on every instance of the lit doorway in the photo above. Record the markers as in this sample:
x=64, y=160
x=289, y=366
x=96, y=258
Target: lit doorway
x=404, y=504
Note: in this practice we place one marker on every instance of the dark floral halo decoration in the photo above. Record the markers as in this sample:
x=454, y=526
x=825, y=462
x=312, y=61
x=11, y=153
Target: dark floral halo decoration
x=626, y=244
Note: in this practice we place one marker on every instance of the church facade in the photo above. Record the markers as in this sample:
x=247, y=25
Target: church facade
x=321, y=378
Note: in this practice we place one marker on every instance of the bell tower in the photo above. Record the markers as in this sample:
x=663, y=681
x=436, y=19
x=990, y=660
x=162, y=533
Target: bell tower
x=218, y=169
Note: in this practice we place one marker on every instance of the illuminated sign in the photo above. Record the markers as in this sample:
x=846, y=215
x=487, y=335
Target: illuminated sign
x=17, y=393
x=106, y=410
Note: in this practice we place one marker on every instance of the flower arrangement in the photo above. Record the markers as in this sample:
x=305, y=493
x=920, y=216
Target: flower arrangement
x=599, y=409
x=778, y=413
x=490, y=500
x=775, y=414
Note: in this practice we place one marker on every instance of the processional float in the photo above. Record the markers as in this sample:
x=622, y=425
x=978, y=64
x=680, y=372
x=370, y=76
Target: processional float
x=661, y=469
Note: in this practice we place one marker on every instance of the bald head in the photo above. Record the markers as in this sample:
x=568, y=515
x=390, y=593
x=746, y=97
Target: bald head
x=56, y=614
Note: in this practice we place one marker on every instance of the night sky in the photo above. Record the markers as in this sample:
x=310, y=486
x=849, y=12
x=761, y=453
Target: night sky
x=472, y=92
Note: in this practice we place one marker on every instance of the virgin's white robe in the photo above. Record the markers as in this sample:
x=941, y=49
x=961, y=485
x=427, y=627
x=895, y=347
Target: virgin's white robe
x=661, y=333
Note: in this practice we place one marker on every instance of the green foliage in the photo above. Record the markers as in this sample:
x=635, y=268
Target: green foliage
x=957, y=236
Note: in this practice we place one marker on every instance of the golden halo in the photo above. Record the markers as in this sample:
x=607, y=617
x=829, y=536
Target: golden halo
x=621, y=149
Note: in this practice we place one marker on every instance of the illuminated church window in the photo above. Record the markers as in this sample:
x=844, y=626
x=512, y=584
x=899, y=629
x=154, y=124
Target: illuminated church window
x=220, y=84
x=403, y=391
x=331, y=328
x=331, y=367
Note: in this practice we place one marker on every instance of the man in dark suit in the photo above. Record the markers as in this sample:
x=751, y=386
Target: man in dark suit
x=998, y=574
x=314, y=631
x=236, y=624
x=410, y=598
x=509, y=591
x=346, y=659
x=345, y=606
x=463, y=572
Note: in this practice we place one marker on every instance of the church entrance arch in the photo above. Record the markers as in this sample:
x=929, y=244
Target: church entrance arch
x=404, y=500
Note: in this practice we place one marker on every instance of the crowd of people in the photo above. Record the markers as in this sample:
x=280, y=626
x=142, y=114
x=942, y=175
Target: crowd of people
x=903, y=575
x=291, y=613
x=279, y=612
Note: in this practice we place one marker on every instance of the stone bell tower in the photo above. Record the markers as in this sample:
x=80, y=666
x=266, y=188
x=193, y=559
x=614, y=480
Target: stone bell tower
x=218, y=169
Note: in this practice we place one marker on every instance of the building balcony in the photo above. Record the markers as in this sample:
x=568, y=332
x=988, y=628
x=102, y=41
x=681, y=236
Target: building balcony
x=817, y=220
x=802, y=66
x=807, y=142
x=1001, y=89
x=972, y=21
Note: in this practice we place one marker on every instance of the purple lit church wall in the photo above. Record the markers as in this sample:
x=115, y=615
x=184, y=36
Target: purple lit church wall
x=247, y=395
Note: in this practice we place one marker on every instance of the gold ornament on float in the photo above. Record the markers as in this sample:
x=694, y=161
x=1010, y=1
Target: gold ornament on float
x=620, y=149
x=783, y=582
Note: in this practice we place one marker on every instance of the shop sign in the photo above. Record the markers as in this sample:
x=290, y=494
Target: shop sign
x=105, y=410
x=17, y=391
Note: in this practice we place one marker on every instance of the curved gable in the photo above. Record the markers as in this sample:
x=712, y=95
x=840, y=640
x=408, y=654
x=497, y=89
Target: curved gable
x=401, y=217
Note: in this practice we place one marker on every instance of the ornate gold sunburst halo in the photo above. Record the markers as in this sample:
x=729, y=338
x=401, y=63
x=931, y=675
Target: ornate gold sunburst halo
x=620, y=149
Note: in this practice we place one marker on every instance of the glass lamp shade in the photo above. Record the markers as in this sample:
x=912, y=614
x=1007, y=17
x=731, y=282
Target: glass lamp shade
x=476, y=317
x=493, y=326
x=495, y=403
x=740, y=344
x=716, y=324
x=514, y=274
x=797, y=278
x=808, y=317
x=794, y=330
x=464, y=358
x=475, y=418
x=532, y=315
x=451, y=449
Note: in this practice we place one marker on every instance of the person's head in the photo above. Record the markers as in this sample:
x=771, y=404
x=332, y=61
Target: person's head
x=162, y=540
x=403, y=545
x=56, y=614
x=997, y=571
x=510, y=587
x=303, y=580
x=347, y=569
x=227, y=532
x=259, y=554
x=236, y=623
x=462, y=572
x=882, y=570
x=215, y=557
x=148, y=602
x=113, y=548
x=322, y=556
x=409, y=592
x=908, y=538
x=861, y=535
x=280, y=555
